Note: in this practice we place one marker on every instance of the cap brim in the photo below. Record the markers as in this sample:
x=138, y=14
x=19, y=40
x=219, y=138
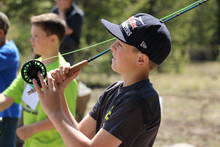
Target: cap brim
x=114, y=29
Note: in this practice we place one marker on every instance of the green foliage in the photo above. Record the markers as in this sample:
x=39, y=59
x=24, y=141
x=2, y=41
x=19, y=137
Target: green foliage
x=205, y=37
x=195, y=35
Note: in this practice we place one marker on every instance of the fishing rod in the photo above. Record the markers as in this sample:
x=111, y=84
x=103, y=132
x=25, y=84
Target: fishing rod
x=182, y=11
x=30, y=69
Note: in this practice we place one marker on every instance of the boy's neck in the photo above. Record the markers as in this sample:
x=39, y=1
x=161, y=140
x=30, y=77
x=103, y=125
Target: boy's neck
x=131, y=79
x=49, y=58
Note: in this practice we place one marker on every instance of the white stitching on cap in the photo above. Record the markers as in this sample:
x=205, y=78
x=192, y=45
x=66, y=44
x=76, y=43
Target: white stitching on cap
x=143, y=44
x=126, y=28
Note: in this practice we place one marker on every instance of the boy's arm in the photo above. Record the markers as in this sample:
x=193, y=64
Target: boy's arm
x=5, y=102
x=82, y=134
x=88, y=126
x=74, y=137
x=71, y=135
x=66, y=111
x=27, y=131
x=84, y=126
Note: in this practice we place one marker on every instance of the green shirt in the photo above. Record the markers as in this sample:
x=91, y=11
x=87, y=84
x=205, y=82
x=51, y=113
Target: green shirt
x=50, y=138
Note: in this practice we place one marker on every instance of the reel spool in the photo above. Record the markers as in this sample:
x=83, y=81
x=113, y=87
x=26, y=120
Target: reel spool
x=30, y=70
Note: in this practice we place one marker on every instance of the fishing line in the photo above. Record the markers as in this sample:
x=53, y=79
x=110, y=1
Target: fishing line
x=30, y=69
x=81, y=49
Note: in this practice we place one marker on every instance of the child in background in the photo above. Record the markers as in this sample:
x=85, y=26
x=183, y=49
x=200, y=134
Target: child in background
x=47, y=33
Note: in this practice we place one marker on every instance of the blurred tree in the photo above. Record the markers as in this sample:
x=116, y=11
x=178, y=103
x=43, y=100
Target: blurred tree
x=204, y=36
x=195, y=35
x=217, y=30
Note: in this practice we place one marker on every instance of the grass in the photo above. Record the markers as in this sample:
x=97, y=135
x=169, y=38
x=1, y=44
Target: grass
x=195, y=77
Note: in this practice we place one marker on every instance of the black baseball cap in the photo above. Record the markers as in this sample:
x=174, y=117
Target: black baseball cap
x=146, y=33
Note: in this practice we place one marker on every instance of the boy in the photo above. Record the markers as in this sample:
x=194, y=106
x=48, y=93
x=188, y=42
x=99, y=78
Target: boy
x=47, y=32
x=128, y=113
x=8, y=54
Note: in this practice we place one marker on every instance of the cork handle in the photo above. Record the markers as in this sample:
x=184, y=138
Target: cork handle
x=77, y=67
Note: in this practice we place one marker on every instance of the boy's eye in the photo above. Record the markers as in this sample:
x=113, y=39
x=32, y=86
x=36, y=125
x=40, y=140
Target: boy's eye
x=35, y=36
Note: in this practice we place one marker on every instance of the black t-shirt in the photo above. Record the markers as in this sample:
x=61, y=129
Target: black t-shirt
x=131, y=113
x=74, y=20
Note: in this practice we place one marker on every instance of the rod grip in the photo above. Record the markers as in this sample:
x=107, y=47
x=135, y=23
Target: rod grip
x=77, y=67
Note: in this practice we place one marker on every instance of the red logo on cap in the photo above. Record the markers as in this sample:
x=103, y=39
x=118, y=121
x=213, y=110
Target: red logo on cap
x=135, y=22
x=132, y=21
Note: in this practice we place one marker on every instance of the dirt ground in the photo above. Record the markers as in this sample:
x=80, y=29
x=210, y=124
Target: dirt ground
x=193, y=119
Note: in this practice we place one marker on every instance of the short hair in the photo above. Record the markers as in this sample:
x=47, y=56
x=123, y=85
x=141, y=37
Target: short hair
x=51, y=23
x=4, y=22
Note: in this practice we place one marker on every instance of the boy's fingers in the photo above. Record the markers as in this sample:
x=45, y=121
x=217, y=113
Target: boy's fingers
x=53, y=74
x=59, y=76
x=73, y=76
x=42, y=81
x=50, y=84
x=55, y=84
x=62, y=74
x=36, y=86
x=66, y=70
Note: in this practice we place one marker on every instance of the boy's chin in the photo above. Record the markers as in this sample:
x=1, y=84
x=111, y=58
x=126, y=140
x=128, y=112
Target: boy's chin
x=113, y=68
x=35, y=51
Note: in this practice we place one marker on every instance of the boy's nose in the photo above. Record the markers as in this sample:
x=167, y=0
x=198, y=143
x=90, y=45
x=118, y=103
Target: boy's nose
x=113, y=47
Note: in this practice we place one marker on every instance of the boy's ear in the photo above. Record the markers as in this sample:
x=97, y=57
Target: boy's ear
x=54, y=38
x=142, y=59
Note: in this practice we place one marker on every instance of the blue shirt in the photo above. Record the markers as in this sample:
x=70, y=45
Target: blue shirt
x=9, y=63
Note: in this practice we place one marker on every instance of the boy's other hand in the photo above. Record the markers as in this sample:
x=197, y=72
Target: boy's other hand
x=48, y=95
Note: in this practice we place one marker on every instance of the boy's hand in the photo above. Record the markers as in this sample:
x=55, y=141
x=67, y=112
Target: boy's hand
x=52, y=91
x=61, y=78
x=48, y=94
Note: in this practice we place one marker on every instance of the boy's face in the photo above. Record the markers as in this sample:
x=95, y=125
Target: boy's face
x=124, y=57
x=40, y=40
x=2, y=35
x=64, y=4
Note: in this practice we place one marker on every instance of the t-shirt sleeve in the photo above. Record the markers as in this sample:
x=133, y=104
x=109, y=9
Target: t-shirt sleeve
x=125, y=121
x=98, y=108
x=94, y=113
x=15, y=90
